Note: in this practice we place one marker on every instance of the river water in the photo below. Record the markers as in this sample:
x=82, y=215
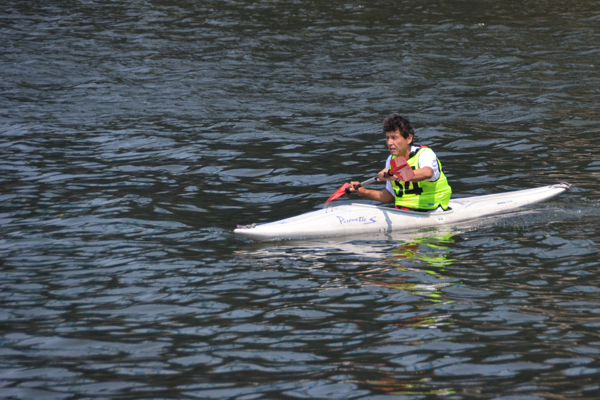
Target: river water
x=135, y=135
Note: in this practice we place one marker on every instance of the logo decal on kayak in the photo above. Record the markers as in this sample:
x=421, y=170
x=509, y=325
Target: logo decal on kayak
x=362, y=220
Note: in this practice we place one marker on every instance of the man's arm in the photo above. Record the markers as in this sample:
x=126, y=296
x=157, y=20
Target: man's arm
x=422, y=174
x=383, y=196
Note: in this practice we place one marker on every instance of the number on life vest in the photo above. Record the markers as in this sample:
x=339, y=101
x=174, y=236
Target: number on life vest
x=415, y=190
x=405, y=189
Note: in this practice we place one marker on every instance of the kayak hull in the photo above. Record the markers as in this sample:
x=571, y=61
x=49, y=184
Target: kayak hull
x=362, y=218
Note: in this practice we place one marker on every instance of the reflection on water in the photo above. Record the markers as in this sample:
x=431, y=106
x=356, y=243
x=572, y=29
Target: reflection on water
x=445, y=304
x=423, y=255
x=411, y=272
x=417, y=266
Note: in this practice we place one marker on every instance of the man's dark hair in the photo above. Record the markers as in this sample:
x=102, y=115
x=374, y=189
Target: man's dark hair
x=397, y=122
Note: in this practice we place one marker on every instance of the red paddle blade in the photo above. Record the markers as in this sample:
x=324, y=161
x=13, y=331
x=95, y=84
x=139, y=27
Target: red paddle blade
x=338, y=193
x=401, y=169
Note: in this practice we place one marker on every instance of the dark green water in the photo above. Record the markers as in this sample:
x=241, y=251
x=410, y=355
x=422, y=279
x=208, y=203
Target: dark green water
x=135, y=135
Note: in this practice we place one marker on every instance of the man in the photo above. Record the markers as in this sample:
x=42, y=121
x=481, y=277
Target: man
x=428, y=190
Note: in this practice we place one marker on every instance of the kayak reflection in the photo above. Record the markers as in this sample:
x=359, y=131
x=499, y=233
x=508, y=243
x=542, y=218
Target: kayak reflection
x=390, y=289
x=415, y=262
x=377, y=246
x=418, y=266
x=403, y=386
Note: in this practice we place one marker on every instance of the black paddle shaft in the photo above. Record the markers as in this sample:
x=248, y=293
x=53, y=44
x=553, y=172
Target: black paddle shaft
x=367, y=182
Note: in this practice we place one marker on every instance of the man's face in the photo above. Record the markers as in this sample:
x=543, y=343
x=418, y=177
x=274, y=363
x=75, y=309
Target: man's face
x=397, y=144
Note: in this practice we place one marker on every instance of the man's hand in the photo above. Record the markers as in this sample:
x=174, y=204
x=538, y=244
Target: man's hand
x=352, y=187
x=384, y=176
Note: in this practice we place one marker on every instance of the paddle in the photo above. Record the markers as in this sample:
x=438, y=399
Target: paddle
x=398, y=167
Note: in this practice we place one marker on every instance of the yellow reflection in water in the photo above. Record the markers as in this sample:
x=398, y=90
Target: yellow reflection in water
x=398, y=386
x=412, y=259
x=426, y=254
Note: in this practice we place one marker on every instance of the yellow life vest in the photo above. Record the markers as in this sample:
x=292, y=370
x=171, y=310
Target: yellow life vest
x=422, y=195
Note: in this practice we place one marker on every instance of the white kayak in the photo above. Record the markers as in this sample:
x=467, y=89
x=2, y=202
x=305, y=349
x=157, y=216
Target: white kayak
x=362, y=218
